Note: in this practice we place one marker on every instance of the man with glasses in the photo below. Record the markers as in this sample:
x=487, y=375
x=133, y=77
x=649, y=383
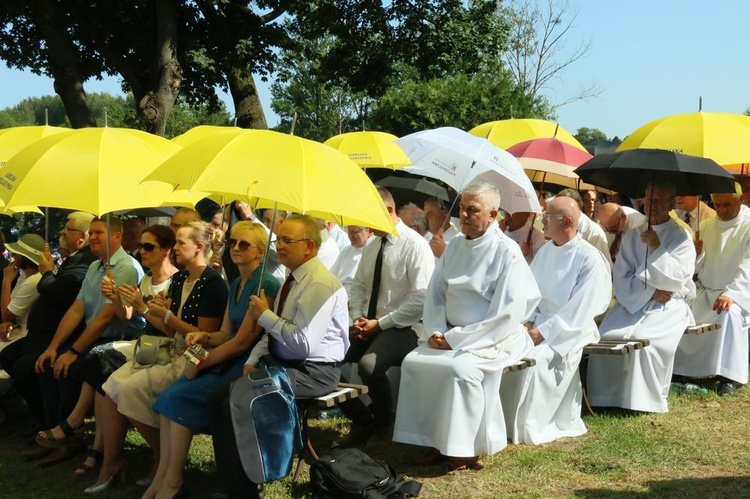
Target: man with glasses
x=387, y=297
x=544, y=403
x=57, y=291
x=615, y=220
x=587, y=228
x=653, y=281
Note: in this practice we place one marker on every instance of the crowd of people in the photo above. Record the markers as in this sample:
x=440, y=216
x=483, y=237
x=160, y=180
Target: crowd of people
x=449, y=302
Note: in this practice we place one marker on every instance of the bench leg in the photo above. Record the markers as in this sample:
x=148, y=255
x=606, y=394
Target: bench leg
x=307, y=451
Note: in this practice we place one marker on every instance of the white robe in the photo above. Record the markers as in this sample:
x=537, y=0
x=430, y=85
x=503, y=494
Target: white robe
x=543, y=403
x=522, y=235
x=480, y=294
x=723, y=269
x=592, y=233
x=640, y=380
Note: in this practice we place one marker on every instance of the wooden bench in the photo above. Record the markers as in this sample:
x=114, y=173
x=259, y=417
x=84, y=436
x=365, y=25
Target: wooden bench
x=522, y=364
x=701, y=328
x=615, y=346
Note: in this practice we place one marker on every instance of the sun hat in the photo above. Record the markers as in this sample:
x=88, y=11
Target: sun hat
x=29, y=245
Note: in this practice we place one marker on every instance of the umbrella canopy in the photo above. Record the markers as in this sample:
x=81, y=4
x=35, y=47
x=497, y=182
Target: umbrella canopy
x=722, y=137
x=458, y=158
x=97, y=170
x=370, y=149
x=14, y=139
x=413, y=189
x=628, y=172
x=507, y=133
x=275, y=170
x=198, y=132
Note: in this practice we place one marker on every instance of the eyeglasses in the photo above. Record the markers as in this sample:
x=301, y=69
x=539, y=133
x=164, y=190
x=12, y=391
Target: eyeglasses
x=550, y=216
x=149, y=246
x=242, y=245
x=291, y=241
x=71, y=229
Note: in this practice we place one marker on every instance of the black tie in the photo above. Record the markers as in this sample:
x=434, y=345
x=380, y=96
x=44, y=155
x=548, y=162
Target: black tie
x=687, y=218
x=372, y=307
x=282, y=300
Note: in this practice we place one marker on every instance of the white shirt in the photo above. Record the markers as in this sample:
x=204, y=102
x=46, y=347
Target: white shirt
x=521, y=235
x=314, y=324
x=328, y=251
x=706, y=212
x=23, y=296
x=594, y=234
x=407, y=267
x=347, y=263
x=481, y=292
x=340, y=236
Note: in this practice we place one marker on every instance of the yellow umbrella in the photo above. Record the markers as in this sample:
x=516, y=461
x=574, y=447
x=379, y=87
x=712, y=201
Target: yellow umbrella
x=272, y=169
x=507, y=133
x=723, y=137
x=16, y=138
x=97, y=170
x=198, y=132
x=370, y=149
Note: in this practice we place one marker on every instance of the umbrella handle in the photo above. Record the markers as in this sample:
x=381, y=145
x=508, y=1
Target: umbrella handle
x=528, y=237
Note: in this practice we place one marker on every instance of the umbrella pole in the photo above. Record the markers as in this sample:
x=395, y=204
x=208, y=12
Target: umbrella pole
x=46, y=223
x=698, y=222
x=650, y=202
x=106, y=243
x=268, y=248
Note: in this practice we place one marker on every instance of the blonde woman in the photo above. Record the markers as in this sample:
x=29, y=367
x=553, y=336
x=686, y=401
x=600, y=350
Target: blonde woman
x=182, y=407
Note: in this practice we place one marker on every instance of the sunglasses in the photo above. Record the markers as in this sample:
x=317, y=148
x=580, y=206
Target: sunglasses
x=149, y=247
x=242, y=245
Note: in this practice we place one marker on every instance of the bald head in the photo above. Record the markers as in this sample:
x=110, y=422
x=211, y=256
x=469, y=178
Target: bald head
x=561, y=220
x=610, y=216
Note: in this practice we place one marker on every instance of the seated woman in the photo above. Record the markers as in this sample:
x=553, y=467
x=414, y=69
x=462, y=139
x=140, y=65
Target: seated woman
x=182, y=407
x=157, y=242
x=196, y=299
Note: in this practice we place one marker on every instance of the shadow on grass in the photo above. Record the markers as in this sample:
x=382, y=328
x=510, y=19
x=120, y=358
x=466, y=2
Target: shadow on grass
x=715, y=487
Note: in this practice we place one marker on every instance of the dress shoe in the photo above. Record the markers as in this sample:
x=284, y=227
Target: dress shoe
x=36, y=452
x=382, y=436
x=117, y=476
x=432, y=456
x=728, y=388
x=59, y=455
x=460, y=463
x=359, y=434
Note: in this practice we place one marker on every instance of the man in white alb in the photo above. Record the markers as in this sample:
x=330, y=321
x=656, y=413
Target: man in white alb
x=348, y=260
x=653, y=283
x=520, y=227
x=543, y=403
x=723, y=297
x=589, y=230
x=480, y=295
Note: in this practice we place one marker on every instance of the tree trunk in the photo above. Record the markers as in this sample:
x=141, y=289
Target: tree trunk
x=63, y=65
x=156, y=105
x=248, y=109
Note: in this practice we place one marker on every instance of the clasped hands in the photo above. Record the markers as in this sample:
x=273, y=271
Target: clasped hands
x=364, y=328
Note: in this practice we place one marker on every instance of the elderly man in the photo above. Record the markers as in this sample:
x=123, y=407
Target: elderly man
x=60, y=365
x=439, y=223
x=480, y=295
x=57, y=292
x=615, y=220
x=723, y=297
x=307, y=333
x=544, y=403
x=346, y=264
x=387, y=297
x=692, y=211
x=273, y=219
x=587, y=228
x=520, y=227
x=653, y=283
x=414, y=218
x=338, y=234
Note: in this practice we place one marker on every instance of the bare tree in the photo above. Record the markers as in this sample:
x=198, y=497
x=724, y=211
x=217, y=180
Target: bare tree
x=538, y=51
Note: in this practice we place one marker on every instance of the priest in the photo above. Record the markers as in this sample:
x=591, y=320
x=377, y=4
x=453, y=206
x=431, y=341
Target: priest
x=480, y=294
x=543, y=404
x=723, y=297
x=653, y=283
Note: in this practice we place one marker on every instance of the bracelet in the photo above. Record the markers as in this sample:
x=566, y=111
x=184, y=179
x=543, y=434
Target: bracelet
x=167, y=316
x=71, y=349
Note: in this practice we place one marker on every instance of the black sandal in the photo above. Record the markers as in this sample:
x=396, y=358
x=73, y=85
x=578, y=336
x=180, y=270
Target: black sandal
x=72, y=438
x=84, y=469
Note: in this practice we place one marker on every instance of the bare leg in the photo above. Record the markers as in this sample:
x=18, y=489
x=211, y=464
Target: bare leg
x=164, y=441
x=151, y=436
x=114, y=427
x=179, y=441
x=77, y=417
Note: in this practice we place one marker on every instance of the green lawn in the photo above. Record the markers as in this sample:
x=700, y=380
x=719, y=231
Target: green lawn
x=699, y=449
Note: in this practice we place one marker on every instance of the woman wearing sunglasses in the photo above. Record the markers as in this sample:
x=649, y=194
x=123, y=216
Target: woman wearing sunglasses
x=182, y=407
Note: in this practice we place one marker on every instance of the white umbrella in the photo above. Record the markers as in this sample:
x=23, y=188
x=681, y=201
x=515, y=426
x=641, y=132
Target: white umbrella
x=459, y=158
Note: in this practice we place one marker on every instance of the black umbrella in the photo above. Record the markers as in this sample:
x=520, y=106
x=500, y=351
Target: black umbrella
x=629, y=172
x=414, y=189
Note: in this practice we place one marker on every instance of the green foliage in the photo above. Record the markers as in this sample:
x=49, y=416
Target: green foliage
x=585, y=135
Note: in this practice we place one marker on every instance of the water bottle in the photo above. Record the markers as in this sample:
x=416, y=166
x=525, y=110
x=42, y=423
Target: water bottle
x=691, y=388
x=676, y=388
x=331, y=413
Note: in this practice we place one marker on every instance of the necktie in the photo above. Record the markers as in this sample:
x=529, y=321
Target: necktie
x=687, y=218
x=282, y=300
x=372, y=307
x=615, y=248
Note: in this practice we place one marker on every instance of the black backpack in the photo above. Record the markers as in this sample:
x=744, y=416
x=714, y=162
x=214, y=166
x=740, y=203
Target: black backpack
x=350, y=473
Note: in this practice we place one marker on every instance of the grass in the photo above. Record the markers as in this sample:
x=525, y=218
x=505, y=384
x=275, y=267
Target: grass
x=698, y=449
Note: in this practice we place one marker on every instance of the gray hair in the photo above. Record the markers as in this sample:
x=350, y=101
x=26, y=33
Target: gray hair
x=418, y=216
x=310, y=228
x=663, y=184
x=81, y=220
x=489, y=194
x=733, y=194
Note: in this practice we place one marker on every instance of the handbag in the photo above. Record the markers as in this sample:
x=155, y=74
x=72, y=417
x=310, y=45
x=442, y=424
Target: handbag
x=153, y=350
x=266, y=423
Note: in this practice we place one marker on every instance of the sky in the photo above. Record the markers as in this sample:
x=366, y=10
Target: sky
x=650, y=58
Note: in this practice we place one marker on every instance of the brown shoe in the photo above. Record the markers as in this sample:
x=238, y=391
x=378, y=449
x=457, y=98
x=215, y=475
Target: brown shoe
x=36, y=452
x=460, y=463
x=432, y=456
x=59, y=455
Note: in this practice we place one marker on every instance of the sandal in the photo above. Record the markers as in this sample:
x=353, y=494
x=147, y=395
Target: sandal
x=84, y=469
x=72, y=438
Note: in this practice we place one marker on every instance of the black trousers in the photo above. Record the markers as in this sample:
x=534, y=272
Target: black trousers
x=18, y=360
x=308, y=381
